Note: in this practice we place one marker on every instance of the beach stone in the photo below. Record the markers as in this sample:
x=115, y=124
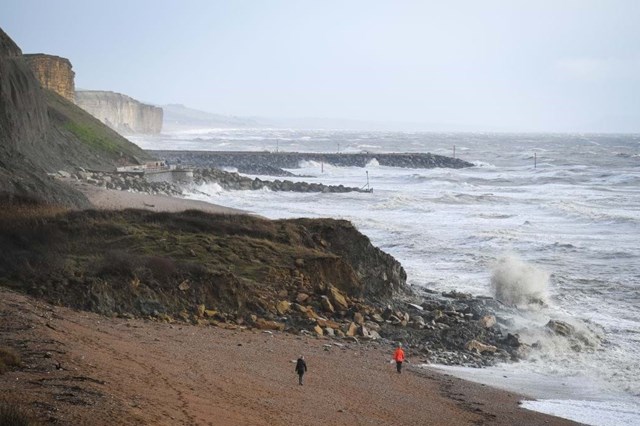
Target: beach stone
x=352, y=330
x=404, y=319
x=301, y=298
x=210, y=313
x=298, y=307
x=322, y=322
x=358, y=318
x=283, y=307
x=338, y=299
x=318, y=330
x=522, y=352
x=512, y=340
x=480, y=347
x=372, y=326
x=488, y=321
x=387, y=313
x=310, y=313
x=561, y=328
x=263, y=324
x=200, y=309
x=377, y=318
x=368, y=334
x=329, y=331
x=184, y=285
x=326, y=304
x=418, y=322
x=439, y=316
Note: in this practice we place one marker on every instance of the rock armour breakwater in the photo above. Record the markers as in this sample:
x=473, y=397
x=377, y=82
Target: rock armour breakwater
x=255, y=162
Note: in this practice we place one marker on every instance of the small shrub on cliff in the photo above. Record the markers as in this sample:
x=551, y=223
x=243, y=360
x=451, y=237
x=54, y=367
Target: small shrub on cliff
x=162, y=268
x=118, y=263
x=8, y=358
x=10, y=415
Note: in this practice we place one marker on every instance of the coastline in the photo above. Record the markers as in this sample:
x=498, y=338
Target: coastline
x=430, y=392
x=82, y=367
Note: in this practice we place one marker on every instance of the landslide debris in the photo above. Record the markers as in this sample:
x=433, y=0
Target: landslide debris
x=193, y=266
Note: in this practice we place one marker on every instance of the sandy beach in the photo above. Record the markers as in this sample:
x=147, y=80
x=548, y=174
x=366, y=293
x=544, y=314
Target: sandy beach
x=108, y=199
x=83, y=368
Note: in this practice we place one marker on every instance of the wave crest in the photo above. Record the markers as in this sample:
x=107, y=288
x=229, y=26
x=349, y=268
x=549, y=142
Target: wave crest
x=516, y=282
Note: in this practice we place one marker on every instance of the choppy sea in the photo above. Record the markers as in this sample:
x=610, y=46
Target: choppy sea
x=555, y=215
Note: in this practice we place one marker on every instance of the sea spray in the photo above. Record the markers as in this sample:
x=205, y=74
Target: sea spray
x=518, y=283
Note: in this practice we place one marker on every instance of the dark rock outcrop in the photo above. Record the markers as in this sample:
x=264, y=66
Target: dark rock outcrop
x=121, y=112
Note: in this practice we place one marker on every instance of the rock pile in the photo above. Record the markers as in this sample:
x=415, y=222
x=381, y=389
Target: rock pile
x=273, y=162
x=135, y=182
x=443, y=329
x=132, y=182
x=233, y=181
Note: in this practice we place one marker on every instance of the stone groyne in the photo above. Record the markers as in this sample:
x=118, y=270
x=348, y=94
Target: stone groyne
x=271, y=163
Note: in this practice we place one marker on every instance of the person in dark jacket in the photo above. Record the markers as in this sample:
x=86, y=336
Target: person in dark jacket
x=301, y=368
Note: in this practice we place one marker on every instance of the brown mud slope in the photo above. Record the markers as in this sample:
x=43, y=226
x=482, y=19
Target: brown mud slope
x=83, y=368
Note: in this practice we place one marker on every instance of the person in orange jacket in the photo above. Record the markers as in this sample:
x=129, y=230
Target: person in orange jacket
x=398, y=356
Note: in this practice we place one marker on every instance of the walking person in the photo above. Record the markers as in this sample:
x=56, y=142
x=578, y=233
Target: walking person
x=301, y=368
x=398, y=356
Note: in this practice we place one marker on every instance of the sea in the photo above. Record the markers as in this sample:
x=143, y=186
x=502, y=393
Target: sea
x=552, y=217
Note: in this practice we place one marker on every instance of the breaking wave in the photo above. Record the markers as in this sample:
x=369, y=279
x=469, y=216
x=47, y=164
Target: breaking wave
x=516, y=282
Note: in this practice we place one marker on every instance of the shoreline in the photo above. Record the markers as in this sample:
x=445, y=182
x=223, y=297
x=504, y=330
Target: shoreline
x=82, y=367
x=474, y=393
x=111, y=199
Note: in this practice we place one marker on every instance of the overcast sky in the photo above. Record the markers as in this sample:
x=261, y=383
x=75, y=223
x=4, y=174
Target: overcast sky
x=480, y=65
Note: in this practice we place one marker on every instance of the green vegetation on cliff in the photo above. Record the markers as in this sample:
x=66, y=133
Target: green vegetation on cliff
x=91, y=143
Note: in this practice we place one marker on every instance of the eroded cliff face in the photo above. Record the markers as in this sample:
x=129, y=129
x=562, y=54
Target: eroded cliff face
x=121, y=112
x=53, y=73
x=41, y=132
x=24, y=130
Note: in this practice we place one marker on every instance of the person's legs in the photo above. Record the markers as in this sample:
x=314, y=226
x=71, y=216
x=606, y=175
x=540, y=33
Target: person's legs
x=300, y=378
x=399, y=366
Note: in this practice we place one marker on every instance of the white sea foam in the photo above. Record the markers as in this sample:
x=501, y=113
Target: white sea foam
x=596, y=413
x=573, y=219
x=518, y=283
